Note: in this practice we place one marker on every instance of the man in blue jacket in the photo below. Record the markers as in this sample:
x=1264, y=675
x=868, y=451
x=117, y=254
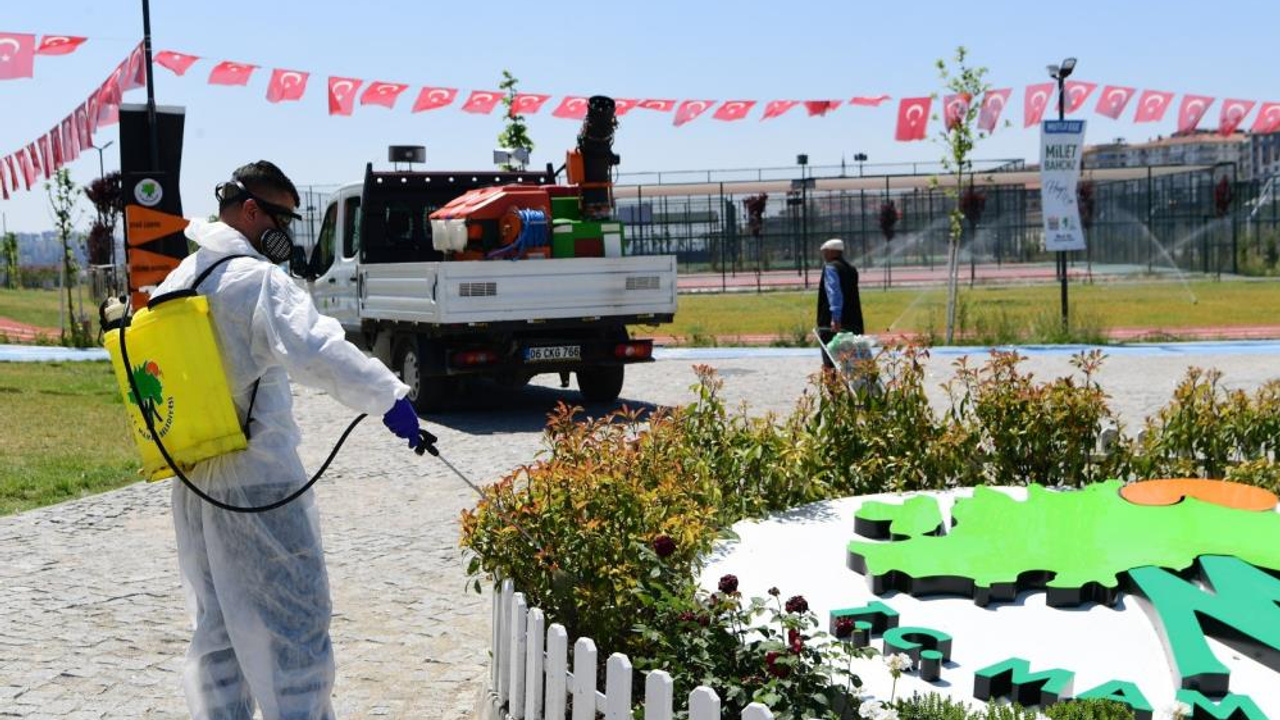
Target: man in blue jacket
x=839, y=307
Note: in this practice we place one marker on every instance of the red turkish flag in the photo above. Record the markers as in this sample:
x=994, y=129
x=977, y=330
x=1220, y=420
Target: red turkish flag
x=527, y=104
x=689, y=110
x=59, y=44
x=175, y=61
x=1151, y=106
x=733, y=110
x=623, y=106
x=1078, y=93
x=45, y=162
x=1268, y=120
x=231, y=73
x=993, y=102
x=30, y=166
x=55, y=148
x=778, y=108
x=342, y=95
x=571, y=108
x=431, y=98
x=13, y=164
x=382, y=93
x=4, y=184
x=17, y=55
x=913, y=118
x=70, y=144
x=287, y=85
x=869, y=100
x=1191, y=111
x=955, y=108
x=1113, y=100
x=659, y=105
x=481, y=102
x=819, y=108
x=1035, y=102
x=94, y=112
x=83, y=133
x=135, y=74
x=1233, y=114
x=109, y=99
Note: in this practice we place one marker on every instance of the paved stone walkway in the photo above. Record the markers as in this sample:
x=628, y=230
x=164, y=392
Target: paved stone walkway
x=92, y=619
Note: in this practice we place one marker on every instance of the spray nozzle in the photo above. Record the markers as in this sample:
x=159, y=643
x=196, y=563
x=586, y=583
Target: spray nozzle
x=426, y=443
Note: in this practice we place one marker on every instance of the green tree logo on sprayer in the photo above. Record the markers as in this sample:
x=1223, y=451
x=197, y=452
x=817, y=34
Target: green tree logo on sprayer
x=151, y=389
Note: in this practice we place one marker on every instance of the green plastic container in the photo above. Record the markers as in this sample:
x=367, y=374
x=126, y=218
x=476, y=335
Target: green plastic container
x=565, y=207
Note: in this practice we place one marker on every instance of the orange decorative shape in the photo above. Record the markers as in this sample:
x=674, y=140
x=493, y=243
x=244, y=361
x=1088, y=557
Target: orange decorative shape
x=1171, y=491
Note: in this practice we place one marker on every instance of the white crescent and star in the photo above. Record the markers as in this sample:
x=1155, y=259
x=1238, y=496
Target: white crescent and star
x=914, y=112
x=1159, y=101
x=341, y=88
x=440, y=96
x=290, y=78
x=733, y=108
x=1195, y=109
x=8, y=42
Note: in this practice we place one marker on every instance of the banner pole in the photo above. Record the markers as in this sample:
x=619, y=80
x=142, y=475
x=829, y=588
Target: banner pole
x=152, y=127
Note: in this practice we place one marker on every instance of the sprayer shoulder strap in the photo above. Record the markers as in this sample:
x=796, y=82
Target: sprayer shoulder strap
x=253, y=397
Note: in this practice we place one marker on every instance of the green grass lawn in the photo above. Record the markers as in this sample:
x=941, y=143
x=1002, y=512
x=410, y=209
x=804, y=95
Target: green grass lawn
x=65, y=434
x=1166, y=305
x=36, y=307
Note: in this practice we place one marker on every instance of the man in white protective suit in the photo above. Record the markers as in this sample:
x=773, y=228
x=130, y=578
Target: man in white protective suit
x=256, y=582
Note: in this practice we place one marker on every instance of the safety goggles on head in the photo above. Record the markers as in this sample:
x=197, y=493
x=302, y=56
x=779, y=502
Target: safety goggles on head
x=235, y=191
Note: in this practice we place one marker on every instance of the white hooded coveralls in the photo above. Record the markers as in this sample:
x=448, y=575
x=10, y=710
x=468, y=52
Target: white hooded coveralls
x=256, y=583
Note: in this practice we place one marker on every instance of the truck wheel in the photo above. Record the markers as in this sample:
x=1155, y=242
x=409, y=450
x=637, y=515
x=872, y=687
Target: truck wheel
x=426, y=392
x=601, y=384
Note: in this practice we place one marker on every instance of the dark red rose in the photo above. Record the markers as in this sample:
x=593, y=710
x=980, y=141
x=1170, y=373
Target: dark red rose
x=686, y=616
x=795, y=640
x=729, y=584
x=775, y=591
x=844, y=627
x=704, y=620
x=664, y=545
x=797, y=604
x=775, y=669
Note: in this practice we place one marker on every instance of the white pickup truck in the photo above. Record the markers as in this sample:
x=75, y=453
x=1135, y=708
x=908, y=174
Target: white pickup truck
x=437, y=320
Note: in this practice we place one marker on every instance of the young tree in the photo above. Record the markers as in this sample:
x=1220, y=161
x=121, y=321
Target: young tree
x=959, y=135
x=889, y=217
x=104, y=193
x=62, y=203
x=515, y=134
x=9, y=249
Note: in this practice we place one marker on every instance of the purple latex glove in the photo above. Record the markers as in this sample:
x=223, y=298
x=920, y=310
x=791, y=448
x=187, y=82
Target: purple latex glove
x=402, y=421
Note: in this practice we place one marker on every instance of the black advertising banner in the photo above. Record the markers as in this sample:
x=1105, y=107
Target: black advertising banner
x=154, y=243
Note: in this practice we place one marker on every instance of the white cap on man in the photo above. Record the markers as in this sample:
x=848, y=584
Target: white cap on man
x=833, y=244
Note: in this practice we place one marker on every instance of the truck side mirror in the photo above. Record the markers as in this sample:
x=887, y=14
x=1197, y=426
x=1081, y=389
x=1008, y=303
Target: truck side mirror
x=298, y=264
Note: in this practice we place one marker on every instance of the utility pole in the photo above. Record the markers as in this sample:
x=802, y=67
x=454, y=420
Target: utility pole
x=1060, y=73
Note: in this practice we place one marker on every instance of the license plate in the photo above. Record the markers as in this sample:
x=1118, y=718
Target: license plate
x=553, y=353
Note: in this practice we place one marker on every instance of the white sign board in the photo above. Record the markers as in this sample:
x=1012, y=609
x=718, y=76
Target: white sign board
x=1061, y=148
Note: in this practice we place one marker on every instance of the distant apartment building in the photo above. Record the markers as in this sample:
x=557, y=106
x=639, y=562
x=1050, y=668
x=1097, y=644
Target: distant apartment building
x=1255, y=156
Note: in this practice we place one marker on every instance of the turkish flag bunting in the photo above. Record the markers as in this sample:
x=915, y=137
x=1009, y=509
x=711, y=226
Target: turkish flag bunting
x=342, y=95
x=39, y=152
x=30, y=166
x=94, y=112
x=1152, y=105
x=109, y=100
x=59, y=44
x=382, y=93
x=55, y=147
x=231, y=73
x=70, y=144
x=1078, y=93
x=571, y=108
x=733, y=110
x=993, y=102
x=1191, y=111
x=17, y=55
x=527, y=103
x=623, y=106
x=1035, y=103
x=82, y=127
x=778, y=108
x=1268, y=120
x=819, y=108
x=913, y=118
x=1233, y=114
x=135, y=76
x=15, y=164
x=46, y=157
x=689, y=110
x=869, y=100
x=1113, y=100
x=955, y=108
x=659, y=105
x=430, y=98
x=481, y=102
x=4, y=184
x=287, y=85
x=176, y=62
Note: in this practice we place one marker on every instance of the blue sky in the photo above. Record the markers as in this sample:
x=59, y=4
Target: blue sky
x=660, y=49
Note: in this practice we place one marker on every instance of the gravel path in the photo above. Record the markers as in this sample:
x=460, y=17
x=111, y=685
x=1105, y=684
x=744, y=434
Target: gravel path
x=92, y=620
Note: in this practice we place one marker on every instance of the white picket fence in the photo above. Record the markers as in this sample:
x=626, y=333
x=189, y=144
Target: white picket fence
x=530, y=677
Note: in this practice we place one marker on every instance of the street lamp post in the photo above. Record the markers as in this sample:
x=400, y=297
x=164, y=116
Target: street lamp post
x=860, y=158
x=1060, y=74
x=803, y=161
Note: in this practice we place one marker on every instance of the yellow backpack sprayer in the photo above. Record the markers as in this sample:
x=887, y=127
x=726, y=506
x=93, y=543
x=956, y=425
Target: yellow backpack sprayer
x=177, y=397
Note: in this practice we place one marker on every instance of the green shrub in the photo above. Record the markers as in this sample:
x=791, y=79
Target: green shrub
x=1089, y=710
x=939, y=707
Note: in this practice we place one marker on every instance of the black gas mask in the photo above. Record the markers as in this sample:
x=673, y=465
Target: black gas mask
x=275, y=243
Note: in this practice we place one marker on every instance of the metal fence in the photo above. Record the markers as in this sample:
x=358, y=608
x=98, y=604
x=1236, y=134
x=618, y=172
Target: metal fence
x=1155, y=223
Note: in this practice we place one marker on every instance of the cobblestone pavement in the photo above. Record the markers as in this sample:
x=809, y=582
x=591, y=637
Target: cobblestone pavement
x=92, y=620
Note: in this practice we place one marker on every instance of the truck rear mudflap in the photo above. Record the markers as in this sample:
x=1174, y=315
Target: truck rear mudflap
x=546, y=356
